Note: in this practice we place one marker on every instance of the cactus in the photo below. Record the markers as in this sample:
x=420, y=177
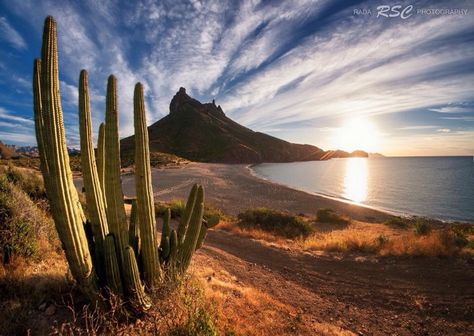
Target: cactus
x=113, y=185
x=187, y=248
x=145, y=203
x=134, y=229
x=112, y=272
x=134, y=284
x=101, y=157
x=165, y=236
x=65, y=207
x=94, y=196
x=102, y=250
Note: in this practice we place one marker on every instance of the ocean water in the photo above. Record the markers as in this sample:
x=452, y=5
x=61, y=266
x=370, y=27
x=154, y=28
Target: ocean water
x=436, y=187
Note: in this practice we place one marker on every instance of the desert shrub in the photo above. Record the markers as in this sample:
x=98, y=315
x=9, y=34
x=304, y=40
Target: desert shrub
x=275, y=222
x=177, y=207
x=421, y=227
x=326, y=215
x=29, y=181
x=398, y=222
x=16, y=232
x=381, y=240
x=23, y=223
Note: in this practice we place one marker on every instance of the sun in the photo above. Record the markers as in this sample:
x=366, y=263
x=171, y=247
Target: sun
x=359, y=133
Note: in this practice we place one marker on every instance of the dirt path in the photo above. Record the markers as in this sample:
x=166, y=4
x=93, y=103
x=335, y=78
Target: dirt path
x=367, y=296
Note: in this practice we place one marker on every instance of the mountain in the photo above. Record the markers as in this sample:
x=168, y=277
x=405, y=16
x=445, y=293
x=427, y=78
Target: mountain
x=202, y=132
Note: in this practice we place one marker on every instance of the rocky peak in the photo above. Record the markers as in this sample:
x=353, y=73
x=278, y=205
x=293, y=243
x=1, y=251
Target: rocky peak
x=182, y=103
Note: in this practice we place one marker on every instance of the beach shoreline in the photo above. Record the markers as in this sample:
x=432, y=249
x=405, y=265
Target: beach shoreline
x=234, y=188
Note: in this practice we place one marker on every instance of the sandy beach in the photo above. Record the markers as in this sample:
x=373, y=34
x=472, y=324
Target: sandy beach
x=233, y=188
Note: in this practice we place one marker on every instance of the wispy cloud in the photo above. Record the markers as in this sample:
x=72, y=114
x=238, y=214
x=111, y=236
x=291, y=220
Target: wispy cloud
x=8, y=33
x=14, y=119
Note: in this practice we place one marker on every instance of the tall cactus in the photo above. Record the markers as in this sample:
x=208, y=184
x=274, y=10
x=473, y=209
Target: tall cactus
x=94, y=197
x=112, y=248
x=113, y=187
x=145, y=202
x=66, y=209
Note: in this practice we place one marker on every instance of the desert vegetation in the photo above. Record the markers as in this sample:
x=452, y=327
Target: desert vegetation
x=331, y=232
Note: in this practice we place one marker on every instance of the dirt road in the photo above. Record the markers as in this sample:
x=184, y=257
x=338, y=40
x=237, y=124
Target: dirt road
x=363, y=295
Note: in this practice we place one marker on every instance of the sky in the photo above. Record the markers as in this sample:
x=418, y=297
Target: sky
x=332, y=73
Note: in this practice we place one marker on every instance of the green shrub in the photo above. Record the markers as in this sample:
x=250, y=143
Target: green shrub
x=17, y=234
x=381, y=240
x=276, y=222
x=28, y=181
x=398, y=222
x=421, y=227
x=177, y=207
x=326, y=215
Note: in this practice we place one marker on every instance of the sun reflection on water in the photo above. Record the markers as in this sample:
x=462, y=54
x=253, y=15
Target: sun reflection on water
x=355, y=180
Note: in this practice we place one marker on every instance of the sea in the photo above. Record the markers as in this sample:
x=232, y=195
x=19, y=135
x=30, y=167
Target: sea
x=435, y=187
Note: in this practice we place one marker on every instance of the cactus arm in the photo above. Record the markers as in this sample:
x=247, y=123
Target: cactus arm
x=202, y=235
x=94, y=196
x=188, y=247
x=67, y=212
x=165, y=231
x=184, y=222
x=134, y=285
x=101, y=157
x=112, y=271
x=134, y=229
x=145, y=202
x=113, y=186
x=173, y=248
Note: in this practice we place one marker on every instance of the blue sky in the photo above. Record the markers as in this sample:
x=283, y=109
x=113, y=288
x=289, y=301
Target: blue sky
x=299, y=70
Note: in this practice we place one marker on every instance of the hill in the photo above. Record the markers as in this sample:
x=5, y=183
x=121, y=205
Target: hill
x=202, y=132
x=7, y=152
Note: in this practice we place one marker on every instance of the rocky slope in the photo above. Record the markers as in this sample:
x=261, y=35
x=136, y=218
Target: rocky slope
x=202, y=132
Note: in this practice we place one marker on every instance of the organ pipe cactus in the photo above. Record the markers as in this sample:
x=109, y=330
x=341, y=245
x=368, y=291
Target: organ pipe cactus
x=145, y=202
x=65, y=207
x=109, y=258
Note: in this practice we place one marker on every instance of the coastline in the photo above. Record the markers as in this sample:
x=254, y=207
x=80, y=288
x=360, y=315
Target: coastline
x=334, y=198
x=233, y=188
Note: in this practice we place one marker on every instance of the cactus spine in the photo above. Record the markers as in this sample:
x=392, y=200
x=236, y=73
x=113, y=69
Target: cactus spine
x=145, y=202
x=111, y=248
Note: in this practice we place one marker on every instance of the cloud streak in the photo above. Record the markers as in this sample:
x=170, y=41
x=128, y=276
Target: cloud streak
x=8, y=33
x=282, y=67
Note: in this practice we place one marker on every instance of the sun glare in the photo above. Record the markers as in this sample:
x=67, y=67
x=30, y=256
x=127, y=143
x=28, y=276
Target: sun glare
x=356, y=134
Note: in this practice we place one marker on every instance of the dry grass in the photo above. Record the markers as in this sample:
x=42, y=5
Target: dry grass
x=246, y=310
x=373, y=238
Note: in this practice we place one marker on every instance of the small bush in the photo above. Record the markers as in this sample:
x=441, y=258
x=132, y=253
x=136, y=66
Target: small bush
x=398, y=222
x=421, y=227
x=381, y=240
x=329, y=216
x=275, y=222
x=17, y=236
x=177, y=207
x=29, y=181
